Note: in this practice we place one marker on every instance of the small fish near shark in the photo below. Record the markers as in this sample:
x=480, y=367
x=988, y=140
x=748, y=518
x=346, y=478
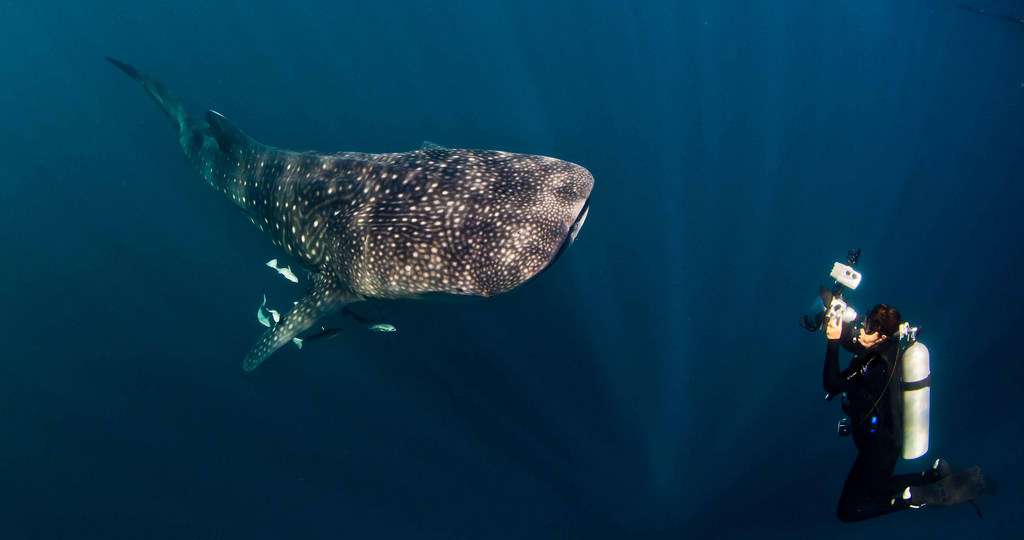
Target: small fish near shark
x=386, y=226
x=286, y=271
x=269, y=317
x=372, y=326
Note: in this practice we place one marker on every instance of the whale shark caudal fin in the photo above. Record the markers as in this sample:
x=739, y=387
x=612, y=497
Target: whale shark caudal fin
x=229, y=138
x=163, y=97
x=323, y=297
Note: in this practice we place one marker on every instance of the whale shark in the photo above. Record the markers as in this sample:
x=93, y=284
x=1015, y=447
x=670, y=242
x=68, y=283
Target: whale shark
x=434, y=221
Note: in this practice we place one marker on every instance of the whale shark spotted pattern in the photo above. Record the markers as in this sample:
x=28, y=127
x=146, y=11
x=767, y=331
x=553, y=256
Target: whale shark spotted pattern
x=404, y=225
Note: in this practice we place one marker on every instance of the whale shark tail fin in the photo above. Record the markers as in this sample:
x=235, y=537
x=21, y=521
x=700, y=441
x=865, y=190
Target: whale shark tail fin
x=163, y=97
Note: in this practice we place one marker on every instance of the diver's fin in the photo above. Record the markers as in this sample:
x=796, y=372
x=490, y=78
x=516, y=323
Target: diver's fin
x=960, y=487
x=230, y=139
x=945, y=470
x=991, y=488
x=974, y=503
x=163, y=97
x=991, y=485
x=324, y=298
x=427, y=145
x=359, y=318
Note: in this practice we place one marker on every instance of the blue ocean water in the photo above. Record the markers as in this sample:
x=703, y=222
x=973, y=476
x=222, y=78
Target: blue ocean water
x=652, y=384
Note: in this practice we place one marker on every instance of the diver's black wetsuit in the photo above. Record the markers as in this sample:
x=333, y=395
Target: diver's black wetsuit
x=877, y=429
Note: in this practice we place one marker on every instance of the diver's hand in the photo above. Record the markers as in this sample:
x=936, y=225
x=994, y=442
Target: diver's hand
x=834, y=330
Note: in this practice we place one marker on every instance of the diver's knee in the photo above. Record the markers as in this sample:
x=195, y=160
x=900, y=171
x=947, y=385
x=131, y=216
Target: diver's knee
x=846, y=515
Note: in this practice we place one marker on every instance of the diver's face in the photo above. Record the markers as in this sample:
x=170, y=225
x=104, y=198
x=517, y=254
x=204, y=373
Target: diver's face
x=867, y=339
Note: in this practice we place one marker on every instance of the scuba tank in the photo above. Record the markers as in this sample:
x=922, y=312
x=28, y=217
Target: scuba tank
x=915, y=389
x=915, y=392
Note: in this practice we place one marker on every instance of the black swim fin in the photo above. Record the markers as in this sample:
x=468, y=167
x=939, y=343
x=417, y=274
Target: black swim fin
x=957, y=488
x=991, y=488
x=945, y=470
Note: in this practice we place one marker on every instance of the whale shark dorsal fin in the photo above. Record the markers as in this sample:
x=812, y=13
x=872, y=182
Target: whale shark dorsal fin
x=229, y=138
x=427, y=145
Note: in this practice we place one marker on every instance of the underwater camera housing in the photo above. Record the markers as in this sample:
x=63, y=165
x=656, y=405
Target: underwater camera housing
x=832, y=304
x=840, y=310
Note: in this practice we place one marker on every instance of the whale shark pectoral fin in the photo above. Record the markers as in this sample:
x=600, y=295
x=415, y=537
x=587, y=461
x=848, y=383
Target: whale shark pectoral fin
x=229, y=138
x=324, y=297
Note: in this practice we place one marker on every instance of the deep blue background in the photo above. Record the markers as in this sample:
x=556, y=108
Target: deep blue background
x=653, y=383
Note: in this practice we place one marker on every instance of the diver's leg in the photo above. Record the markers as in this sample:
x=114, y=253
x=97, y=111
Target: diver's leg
x=939, y=470
x=900, y=482
x=860, y=484
x=865, y=494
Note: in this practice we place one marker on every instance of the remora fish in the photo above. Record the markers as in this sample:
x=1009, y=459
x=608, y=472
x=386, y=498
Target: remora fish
x=285, y=271
x=435, y=220
x=369, y=324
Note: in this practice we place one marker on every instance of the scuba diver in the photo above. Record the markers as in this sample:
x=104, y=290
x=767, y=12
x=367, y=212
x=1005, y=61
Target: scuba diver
x=874, y=405
x=882, y=390
x=875, y=412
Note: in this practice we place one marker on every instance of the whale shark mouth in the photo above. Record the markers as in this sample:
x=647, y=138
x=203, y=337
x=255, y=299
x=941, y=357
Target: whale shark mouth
x=574, y=229
x=577, y=225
